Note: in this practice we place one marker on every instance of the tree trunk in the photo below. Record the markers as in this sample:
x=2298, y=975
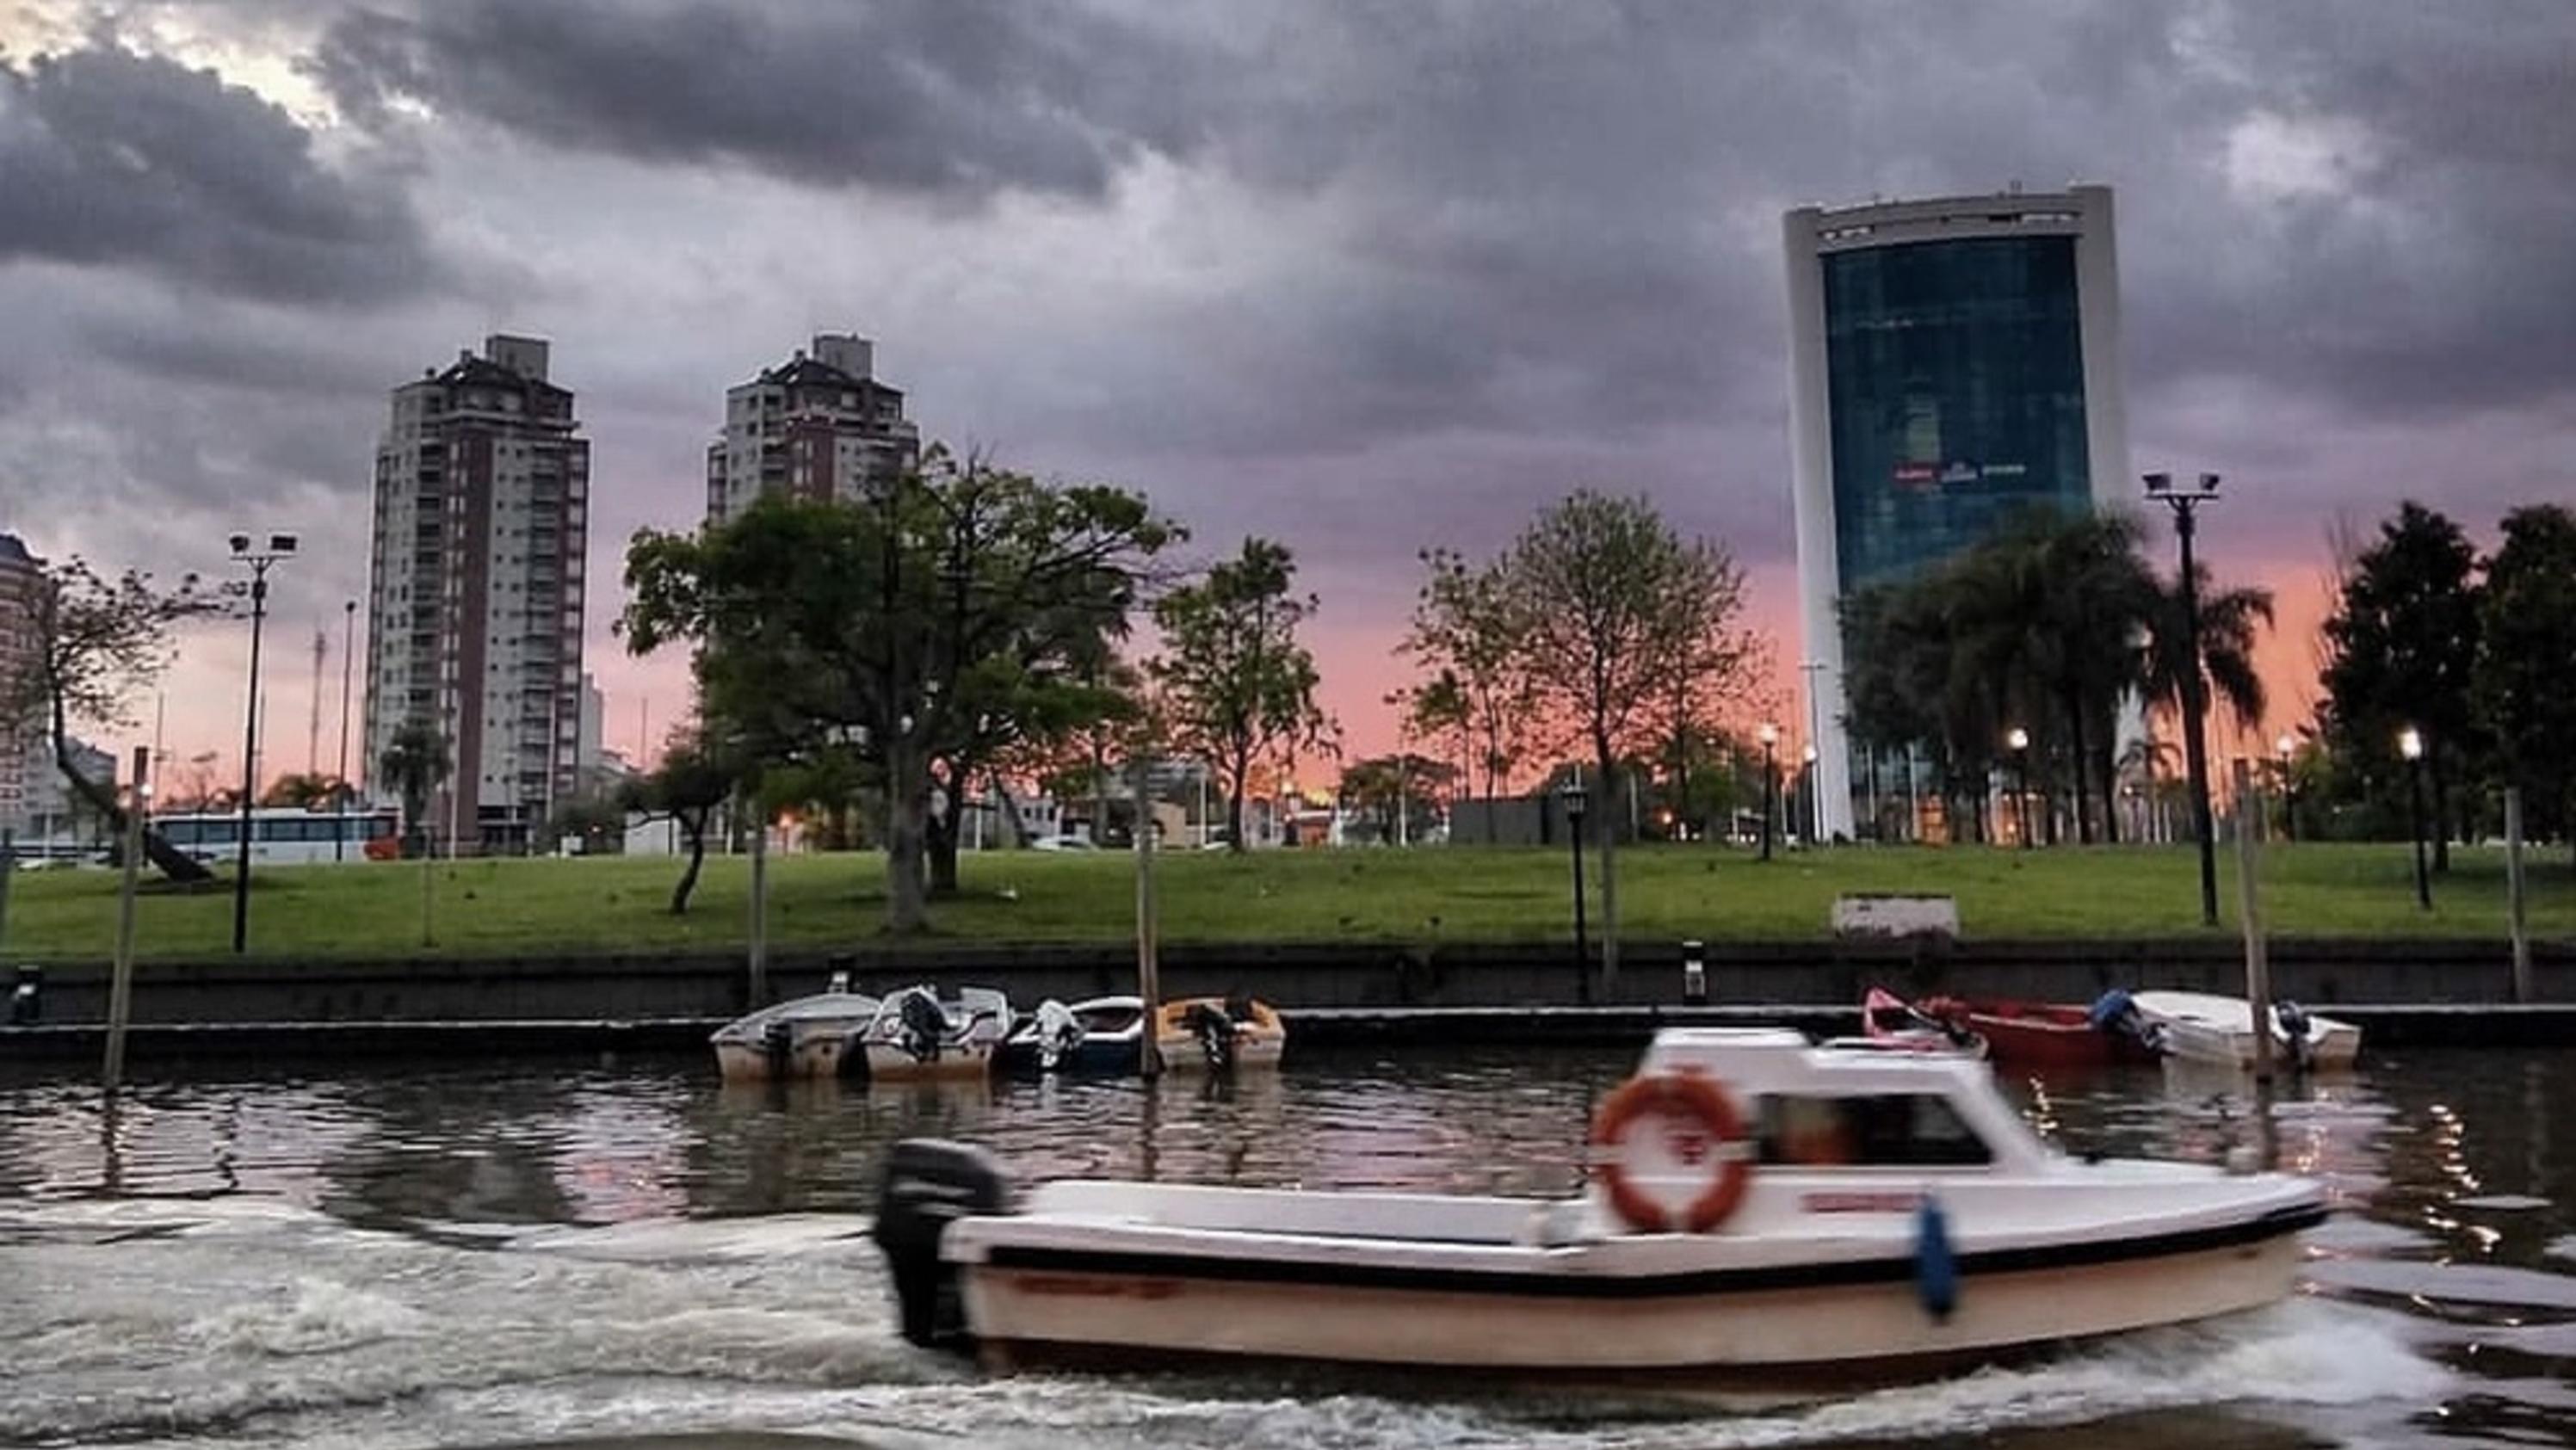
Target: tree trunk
x=2441, y=814
x=1607, y=814
x=906, y=807
x=169, y=860
x=2109, y=775
x=1013, y=831
x=941, y=832
x=1234, y=814
x=2083, y=796
x=695, y=828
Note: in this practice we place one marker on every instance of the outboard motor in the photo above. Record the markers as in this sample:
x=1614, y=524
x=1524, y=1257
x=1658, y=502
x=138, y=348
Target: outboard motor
x=2116, y=1013
x=1058, y=1033
x=930, y=1183
x=1215, y=1032
x=925, y=1025
x=777, y=1039
x=2294, y=1025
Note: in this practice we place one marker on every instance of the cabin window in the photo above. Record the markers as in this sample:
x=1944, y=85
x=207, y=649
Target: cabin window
x=1875, y=1130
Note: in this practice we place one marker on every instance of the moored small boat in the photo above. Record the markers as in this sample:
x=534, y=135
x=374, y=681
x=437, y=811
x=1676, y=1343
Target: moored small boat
x=1218, y=1034
x=2052, y=1035
x=916, y=1035
x=1097, y=1035
x=2206, y=1028
x=1756, y=1204
x=803, y=1037
x=1891, y=1024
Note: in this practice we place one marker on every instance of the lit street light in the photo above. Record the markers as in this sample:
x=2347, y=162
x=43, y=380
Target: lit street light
x=2195, y=691
x=1815, y=795
x=1770, y=737
x=2410, y=744
x=2019, y=740
x=1575, y=799
x=246, y=551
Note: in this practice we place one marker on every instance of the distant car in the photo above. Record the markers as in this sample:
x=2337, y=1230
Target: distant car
x=1061, y=843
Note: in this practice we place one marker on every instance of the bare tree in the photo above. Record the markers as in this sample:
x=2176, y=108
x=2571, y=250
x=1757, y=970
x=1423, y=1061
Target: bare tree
x=1607, y=605
x=93, y=643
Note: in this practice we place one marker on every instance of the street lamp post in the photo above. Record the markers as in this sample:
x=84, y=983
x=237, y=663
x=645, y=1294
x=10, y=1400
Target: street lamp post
x=1575, y=799
x=2184, y=502
x=348, y=638
x=2286, y=745
x=2019, y=740
x=1814, y=795
x=1770, y=735
x=247, y=551
x=2410, y=743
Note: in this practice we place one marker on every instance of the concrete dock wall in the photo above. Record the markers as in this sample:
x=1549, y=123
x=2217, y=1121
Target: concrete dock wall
x=642, y=988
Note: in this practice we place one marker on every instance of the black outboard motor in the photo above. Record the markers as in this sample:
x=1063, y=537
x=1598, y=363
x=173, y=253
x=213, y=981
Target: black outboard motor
x=1215, y=1032
x=930, y=1183
x=2294, y=1025
x=925, y=1026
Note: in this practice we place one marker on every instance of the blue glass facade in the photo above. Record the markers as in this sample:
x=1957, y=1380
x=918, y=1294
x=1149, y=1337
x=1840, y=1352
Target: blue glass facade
x=1955, y=374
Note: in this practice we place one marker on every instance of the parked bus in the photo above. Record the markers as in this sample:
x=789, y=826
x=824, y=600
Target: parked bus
x=286, y=835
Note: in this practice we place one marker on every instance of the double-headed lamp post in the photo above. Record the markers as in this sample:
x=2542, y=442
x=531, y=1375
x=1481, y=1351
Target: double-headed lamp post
x=1770, y=737
x=2288, y=745
x=1815, y=797
x=2018, y=741
x=2184, y=500
x=2410, y=743
x=1576, y=799
x=258, y=556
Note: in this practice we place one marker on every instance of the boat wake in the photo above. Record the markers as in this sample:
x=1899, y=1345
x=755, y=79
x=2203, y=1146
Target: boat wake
x=240, y=1321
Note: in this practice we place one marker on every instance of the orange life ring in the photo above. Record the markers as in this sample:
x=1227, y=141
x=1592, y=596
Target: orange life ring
x=1687, y=1094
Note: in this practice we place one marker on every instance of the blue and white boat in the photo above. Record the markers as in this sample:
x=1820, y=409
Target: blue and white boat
x=1098, y=1036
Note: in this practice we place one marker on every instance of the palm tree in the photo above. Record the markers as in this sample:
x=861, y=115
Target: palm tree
x=2230, y=622
x=415, y=763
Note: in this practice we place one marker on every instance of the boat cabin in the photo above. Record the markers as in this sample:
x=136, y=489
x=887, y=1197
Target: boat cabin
x=1806, y=1106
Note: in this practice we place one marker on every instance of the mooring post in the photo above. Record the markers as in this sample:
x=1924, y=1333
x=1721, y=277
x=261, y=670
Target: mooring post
x=8, y=869
x=1149, y=972
x=2258, y=969
x=758, y=966
x=120, y=991
x=2513, y=899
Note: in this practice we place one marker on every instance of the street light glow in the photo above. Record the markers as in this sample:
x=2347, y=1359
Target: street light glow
x=2410, y=743
x=1768, y=733
x=2017, y=738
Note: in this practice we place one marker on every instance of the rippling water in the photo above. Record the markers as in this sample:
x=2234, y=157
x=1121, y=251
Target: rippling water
x=393, y=1254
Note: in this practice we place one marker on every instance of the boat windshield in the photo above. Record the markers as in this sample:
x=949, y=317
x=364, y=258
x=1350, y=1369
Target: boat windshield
x=1867, y=1130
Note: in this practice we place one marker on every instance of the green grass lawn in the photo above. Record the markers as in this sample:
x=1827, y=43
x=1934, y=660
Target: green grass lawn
x=495, y=907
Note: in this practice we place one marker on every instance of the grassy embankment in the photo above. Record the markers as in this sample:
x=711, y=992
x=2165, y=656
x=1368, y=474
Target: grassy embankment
x=487, y=908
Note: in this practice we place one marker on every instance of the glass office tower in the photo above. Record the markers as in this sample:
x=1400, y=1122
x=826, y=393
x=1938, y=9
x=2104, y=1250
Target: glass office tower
x=1951, y=363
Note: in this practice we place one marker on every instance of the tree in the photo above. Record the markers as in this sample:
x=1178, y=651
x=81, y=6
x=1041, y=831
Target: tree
x=2400, y=648
x=92, y=642
x=2231, y=622
x=415, y=764
x=1397, y=796
x=1437, y=709
x=1235, y=684
x=693, y=782
x=301, y=790
x=1606, y=603
x=921, y=630
x=1464, y=630
x=2526, y=661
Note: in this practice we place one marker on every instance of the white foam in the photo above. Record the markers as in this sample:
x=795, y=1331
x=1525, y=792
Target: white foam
x=319, y=1315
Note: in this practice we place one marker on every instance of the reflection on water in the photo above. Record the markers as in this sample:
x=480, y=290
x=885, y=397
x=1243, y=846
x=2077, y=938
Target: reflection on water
x=427, y=1252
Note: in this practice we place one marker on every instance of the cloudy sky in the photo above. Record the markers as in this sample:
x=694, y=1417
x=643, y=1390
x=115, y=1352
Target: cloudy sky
x=1363, y=275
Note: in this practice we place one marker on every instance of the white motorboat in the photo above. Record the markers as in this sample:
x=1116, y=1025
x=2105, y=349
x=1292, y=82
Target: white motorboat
x=916, y=1035
x=1757, y=1205
x=2205, y=1028
x=1218, y=1034
x=803, y=1037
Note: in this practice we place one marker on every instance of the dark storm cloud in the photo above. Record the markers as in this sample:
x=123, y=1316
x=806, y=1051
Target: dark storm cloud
x=950, y=98
x=113, y=158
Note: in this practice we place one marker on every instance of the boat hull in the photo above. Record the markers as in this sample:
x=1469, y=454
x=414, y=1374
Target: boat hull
x=2218, y=1031
x=1032, y=1314
x=887, y=1062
